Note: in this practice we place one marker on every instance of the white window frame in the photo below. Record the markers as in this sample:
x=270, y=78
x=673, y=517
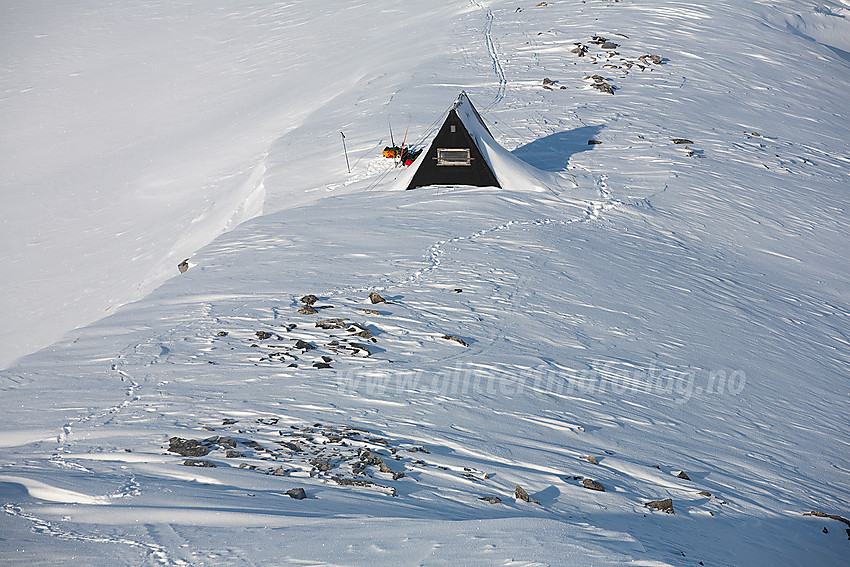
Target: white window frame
x=455, y=160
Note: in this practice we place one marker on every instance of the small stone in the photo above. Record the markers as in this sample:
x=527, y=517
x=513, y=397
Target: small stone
x=306, y=310
x=458, y=340
x=304, y=345
x=683, y=475
x=198, y=463
x=322, y=465
x=593, y=142
x=231, y=454
x=491, y=499
x=681, y=141
x=309, y=299
x=221, y=334
x=187, y=447
x=228, y=421
x=548, y=81
x=521, y=494
x=183, y=266
x=297, y=493
x=321, y=365
x=665, y=505
x=279, y=471
x=263, y=335
x=592, y=460
x=609, y=45
x=704, y=493
x=368, y=311
x=824, y=530
x=593, y=485
x=376, y=298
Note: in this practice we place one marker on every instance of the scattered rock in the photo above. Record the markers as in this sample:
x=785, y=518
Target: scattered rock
x=306, y=310
x=458, y=340
x=683, y=475
x=817, y=514
x=309, y=299
x=322, y=465
x=332, y=323
x=183, y=266
x=491, y=499
x=592, y=460
x=593, y=485
x=221, y=334
x=376, y=298
x=593, y=142
x=231, y=454
x=187, y=447
x=304, y=345
x=297, y=493
x=362, y=347
x=321, y=365
x=520, y=493
x=229, y=421
x=824, y=530
x=665, y=505
x=704, y=493
x=366, y=483
x=681, y=141
x=198, y=463
x=263, y=335
x=369, y=311
x=609, y=45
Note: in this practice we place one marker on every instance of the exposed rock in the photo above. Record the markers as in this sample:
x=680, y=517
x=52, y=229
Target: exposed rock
x=592, y=460
x=333, y=323
x=360, y=331
x=187, y=447
x=369, y=311
x=279, y=471
x=458, y=340
x=604, y=87
x=362, y=347
x=321, y=365
x=183, y=266
x=491, y=499
x=609, y=45
x=376, y=298
x=704, y=493
x=198, y=463
x=231, y=454
x=306, y=310
x=681, y=141
x=683, y=475
x=593, y=142
x=322, y=465
x=367, y=483
x=548, y=81
x=817, y=514
x=221, y=334
x=309, y=299
x=304, y=345
x=593, y=485
x=665, y=505
x=263, y=335
x=229, y=421
x=297, y=493
x=520, y=493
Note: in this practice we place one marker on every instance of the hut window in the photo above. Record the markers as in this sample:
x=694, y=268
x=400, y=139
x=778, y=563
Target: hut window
x=453, y=128
x=453, y=156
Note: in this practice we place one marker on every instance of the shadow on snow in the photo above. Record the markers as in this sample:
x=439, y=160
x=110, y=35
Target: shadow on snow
x=553, y=152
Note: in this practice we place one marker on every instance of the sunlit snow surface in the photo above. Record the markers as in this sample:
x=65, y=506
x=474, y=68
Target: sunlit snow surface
x=684, y=308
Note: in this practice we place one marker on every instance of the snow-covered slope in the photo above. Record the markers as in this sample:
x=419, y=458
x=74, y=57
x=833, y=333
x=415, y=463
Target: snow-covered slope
x=676, y=326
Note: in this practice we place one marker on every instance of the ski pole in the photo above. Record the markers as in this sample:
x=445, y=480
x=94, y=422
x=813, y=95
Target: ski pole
x=346, y=152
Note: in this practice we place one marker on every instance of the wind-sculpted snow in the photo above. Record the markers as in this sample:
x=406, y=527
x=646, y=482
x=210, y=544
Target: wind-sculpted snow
x=644, y=365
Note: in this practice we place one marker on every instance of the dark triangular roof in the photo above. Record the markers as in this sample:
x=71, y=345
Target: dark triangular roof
x=445, y=160
x=489, y=164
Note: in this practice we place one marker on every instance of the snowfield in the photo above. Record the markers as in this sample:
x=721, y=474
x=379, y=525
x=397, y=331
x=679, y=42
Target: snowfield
x=668, y=318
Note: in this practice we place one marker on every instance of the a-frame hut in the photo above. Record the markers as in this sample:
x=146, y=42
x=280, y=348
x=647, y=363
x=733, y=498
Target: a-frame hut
x=453, y=158
x=464, y=152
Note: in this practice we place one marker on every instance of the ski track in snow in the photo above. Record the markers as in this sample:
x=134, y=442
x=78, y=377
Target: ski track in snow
x=493, y=54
